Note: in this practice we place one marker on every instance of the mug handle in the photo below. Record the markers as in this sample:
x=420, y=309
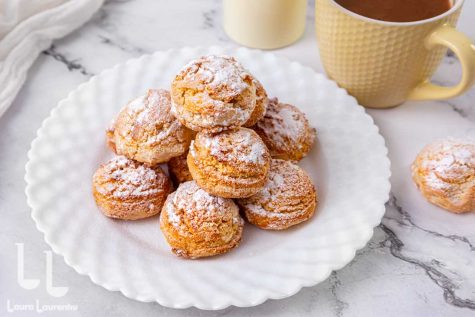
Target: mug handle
x=464, y=49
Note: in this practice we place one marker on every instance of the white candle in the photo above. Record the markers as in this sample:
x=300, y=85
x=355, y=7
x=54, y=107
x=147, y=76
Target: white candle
x=264, y=24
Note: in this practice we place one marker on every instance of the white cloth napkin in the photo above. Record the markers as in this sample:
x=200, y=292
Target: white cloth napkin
x=27, y=27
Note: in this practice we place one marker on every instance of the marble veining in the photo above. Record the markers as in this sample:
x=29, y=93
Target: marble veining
x=209, y=18
x=459, y=110
x=124, y=46
x=72, y=65
x=407, y=221
x=340, y=305
x=420, y=261
x=434, y=268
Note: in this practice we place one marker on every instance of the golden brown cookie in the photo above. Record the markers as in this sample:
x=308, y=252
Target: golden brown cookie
x=231, y=164
x=146, y=131
x=178, y=169
x=288, y=198
x=110, y=136
x=197, y=224
x=213, y=93
x=286, y=131
x=261, y=105
x=126, y=189
x=444, y=172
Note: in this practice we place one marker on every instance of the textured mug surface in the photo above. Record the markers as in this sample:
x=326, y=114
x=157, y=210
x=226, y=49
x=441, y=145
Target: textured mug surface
x=382, y=63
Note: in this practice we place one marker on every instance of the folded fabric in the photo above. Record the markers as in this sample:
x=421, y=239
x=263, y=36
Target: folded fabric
x=27, y=27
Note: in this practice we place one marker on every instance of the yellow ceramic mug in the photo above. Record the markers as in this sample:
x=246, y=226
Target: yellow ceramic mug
x=383, y=63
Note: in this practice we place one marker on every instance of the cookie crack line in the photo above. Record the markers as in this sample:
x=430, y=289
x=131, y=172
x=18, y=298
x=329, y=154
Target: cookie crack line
x=72, y=65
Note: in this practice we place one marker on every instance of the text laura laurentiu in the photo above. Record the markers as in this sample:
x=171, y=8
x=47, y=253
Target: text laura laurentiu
x=39, y=307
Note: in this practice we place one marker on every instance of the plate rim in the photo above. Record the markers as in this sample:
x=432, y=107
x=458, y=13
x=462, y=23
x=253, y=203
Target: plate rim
x=373, y=223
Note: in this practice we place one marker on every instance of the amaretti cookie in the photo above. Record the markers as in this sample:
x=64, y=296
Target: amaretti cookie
x=178, y=169
x=197, y=224
x=444, y=172
x=126, y=189
x=110, y=136
x=285, y=131
x=231, y=164
x=288, y=198
x=146, y=131
x=261, y=105
x=213, y=93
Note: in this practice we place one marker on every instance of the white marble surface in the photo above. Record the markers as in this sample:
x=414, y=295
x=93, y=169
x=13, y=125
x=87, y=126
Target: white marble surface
x=420, y=262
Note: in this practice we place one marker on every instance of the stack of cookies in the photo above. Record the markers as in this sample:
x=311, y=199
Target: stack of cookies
x=229, y=149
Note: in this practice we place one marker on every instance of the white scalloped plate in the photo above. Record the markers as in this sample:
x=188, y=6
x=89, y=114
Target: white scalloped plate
x=349, y=166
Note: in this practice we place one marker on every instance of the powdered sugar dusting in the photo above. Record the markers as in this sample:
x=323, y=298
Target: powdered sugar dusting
x=191, y=197
x=218, y=72
x=192, y=203
x=173, y=130
x=284, y=124
x=172, y=214
x=242, y=145
x=447, y=162
x=213, y=93
x=283, y=179
x=153, y=106
x=291, y=121
x=124, y=178
x=136, y=105
x=145, y=128
x=287, y=192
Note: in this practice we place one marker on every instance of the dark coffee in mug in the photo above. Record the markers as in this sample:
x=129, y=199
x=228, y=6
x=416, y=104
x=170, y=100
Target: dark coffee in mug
x=397, y=10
